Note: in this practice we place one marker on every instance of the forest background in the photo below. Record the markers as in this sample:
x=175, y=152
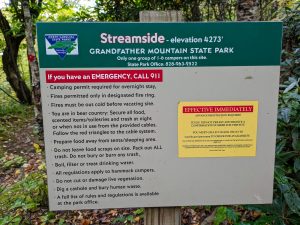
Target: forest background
x=23, y=188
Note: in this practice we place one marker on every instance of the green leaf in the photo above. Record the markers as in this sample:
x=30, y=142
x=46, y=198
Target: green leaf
x=264, y=220
x=296, y=145
x=17, y=220
x=11, y=220
x=285, y=156
x=291, y=196
x=30, y=206
x=297, y=164
x=285, y=114
x=138, y=211
x=61, y=221
x=296, y=139
x=295, y=96
x=221, y=215
x=119, y=219
x=17, y=204
x=130, y=218
x=291, y=86
x=232, y=215
x=280, y=146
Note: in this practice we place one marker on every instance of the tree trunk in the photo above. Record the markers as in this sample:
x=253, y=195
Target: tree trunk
x=222, y=10
x=117, y=8
x=10, y=62
x=34, y=66
x=195, y=10
x=248, y=10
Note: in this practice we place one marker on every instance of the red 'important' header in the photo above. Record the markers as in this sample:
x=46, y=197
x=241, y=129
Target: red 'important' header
x=103, y=76
x=218, y=109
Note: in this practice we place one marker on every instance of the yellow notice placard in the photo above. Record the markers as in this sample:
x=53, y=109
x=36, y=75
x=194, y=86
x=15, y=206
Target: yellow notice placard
x=217, y=129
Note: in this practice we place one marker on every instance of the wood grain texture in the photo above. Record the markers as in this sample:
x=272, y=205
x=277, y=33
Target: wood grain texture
x=161, y=16
x=171, y=215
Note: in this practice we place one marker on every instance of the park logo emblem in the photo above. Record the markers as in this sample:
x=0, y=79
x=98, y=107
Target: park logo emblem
x=61, y=44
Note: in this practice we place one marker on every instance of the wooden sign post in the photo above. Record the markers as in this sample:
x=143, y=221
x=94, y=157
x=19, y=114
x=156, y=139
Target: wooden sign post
x=162, y=215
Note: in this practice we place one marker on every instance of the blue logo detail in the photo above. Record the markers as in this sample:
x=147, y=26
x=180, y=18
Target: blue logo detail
x=61, y=44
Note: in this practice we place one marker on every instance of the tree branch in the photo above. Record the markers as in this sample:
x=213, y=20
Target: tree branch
x=4, y=25
x=5, y=92
x=14, y=4
x=34, y=11
x=40, y=3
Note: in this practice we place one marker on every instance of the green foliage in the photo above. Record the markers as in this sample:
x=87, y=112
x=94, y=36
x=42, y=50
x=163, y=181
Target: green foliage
x=291, y=29
x=2, y=43
x=11, y=220
x=110, y=10
x=5, y=101
x=287, y=186
x=61, y=10
x=11, y=108
x=226, y=214
x=127, y=220
x=139, y=212
x=288, y=119
x=12, y=113
x=193, y=10
x=286, y=204
x=24, y=196
x=11, y=161
x=220, y=215
x=14, y=14
x=50, y=218
x=130, y=219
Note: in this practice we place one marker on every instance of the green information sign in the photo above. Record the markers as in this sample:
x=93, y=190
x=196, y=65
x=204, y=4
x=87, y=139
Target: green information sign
x=101, y=45
x=159, y=114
